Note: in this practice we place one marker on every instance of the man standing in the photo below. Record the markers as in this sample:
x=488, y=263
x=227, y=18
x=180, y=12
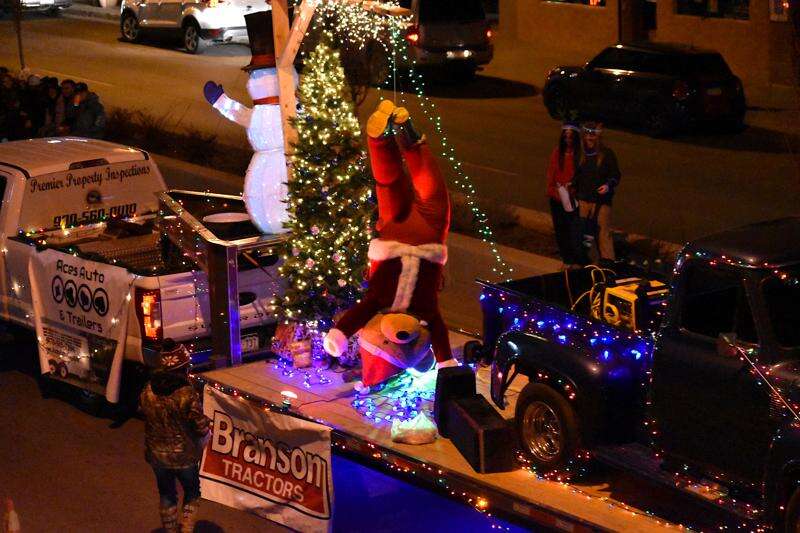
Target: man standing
x=90, y=120
x=175, y=429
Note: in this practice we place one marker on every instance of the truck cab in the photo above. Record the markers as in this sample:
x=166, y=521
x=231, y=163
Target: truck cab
x=710, y=384
x=727, y=360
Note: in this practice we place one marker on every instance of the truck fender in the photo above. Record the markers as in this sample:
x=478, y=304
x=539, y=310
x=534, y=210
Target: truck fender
x=191, y=14
x=782, y=474
x=566, y=369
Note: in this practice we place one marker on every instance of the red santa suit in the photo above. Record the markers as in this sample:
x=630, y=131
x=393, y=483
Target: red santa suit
x=407, y=260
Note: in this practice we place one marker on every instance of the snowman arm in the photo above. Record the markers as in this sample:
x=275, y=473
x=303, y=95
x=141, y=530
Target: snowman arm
x=233, y=110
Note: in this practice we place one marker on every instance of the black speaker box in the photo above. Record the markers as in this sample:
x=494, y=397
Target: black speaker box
x=481, y=434
x=452, y=382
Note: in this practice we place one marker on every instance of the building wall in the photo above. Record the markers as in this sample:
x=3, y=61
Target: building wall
x=538, y=32
x=745, y=44
x=783, y=61
x=574, y=33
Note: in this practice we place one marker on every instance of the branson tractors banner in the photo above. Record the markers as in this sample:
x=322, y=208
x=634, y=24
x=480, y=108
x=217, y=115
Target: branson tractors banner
x=271, y=464
x=81, y=310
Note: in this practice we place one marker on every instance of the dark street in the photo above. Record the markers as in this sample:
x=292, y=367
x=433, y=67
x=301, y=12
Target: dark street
x=673, y=189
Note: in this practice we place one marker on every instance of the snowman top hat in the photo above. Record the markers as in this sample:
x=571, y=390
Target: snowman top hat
x=262, y=45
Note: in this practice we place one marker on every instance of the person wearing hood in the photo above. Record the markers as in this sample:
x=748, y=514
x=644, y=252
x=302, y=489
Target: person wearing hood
x=175, y=431
x=90, y=120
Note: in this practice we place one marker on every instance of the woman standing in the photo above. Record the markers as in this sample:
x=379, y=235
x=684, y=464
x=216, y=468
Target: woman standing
x=560, y=173
x=596, y=179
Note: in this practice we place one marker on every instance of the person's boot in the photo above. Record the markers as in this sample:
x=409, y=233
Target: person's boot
x=404, y=132
x=169, y=518
x=189, y=516
x=379, y=123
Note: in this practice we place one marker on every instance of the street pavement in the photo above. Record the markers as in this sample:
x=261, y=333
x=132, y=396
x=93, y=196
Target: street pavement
x=68, y=469
x=674, y=189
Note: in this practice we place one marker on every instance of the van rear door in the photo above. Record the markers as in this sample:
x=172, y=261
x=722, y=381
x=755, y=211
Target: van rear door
x=452, y=24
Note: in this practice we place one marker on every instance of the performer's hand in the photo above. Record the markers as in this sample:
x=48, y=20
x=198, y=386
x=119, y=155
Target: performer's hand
x=212, y=91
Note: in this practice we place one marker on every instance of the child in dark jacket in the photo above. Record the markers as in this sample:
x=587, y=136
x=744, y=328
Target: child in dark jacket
x=175, y=427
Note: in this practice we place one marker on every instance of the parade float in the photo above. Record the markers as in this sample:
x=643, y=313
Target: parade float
x=401, y=392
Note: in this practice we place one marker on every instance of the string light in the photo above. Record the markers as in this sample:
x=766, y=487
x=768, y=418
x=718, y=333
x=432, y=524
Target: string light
x=461, y=179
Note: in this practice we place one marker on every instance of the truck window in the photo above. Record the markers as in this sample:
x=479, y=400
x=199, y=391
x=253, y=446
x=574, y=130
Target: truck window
x=450, y=11
x=90, y=194
x=781, y=294
x=714, y=302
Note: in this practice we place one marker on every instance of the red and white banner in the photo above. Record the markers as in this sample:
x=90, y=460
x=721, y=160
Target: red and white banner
x=271, y=464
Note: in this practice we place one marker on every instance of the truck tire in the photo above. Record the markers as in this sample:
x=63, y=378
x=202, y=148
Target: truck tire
x=547, y=427
x=791, y=520
x=659, y=120
x=473, y=352
x=558, y=103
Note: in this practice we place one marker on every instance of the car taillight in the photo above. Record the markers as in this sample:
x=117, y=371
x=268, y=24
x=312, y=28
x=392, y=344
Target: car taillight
x=681, y=90
x=412, y=35
x=148, y=308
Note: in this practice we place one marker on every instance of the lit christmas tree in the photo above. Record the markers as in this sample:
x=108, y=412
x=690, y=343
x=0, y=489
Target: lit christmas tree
x=330, y=205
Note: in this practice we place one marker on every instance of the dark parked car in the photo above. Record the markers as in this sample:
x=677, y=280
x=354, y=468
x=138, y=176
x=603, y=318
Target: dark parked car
x=661, y=87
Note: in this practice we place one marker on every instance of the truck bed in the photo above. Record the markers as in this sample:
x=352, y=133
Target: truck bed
x=137, y=247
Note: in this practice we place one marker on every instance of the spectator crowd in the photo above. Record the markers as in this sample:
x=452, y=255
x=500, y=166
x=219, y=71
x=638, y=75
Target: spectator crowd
x=33, y=106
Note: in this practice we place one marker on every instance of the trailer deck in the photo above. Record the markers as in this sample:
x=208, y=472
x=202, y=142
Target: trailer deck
x=363, y=431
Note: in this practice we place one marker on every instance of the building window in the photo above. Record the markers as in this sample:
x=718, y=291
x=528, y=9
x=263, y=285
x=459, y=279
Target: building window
x=728, y=9
x=779, y=10
x=594, y=3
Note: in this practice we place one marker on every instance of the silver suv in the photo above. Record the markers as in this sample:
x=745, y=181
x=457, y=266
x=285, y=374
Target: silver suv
x=199, y=23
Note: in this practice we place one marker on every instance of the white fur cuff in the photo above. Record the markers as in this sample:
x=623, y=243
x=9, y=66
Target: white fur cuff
x=381, y=250
x=447, y=364
x=335, y=342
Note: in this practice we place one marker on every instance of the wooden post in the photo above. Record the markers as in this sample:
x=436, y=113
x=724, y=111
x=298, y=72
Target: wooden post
x=288, y=101
x=18, y=27
x=287, y=44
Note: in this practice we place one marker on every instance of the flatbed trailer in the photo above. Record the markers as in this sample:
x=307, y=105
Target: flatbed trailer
x=521, y=495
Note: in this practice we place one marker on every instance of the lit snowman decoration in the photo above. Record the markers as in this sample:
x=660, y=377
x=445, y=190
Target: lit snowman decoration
x=265, y=183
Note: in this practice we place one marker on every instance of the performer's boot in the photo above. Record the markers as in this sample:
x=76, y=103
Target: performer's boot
x=169, y=518
x=404, y=131
x=189, y=516
x=379, y=122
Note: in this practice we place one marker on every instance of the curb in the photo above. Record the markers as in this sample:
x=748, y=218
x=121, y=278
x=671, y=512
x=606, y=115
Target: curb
x=86, y=11
x=182, y=175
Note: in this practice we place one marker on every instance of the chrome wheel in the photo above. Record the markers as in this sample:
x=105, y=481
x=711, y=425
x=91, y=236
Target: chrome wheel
x=541, y=432
x=130, y=29
x=191, y=38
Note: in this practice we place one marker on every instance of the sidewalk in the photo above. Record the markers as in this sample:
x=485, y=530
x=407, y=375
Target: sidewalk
x=468, y=259
x=91, y=11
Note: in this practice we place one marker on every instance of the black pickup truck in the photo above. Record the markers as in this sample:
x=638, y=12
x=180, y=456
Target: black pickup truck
x=701, y=374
